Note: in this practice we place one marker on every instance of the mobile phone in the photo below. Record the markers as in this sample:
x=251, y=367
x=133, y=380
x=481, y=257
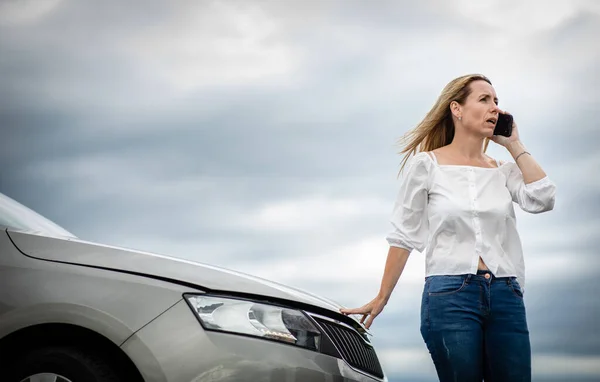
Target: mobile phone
x=504, y=125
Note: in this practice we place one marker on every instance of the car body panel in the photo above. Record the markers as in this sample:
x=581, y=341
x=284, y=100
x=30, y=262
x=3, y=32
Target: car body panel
x=190, y=354
x=208, y=277
x=112, y=304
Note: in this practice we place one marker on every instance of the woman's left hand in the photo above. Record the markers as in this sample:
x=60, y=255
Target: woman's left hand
x=505, y=141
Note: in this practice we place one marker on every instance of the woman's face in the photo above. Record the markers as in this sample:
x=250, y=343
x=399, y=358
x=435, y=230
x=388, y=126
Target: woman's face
x=480, y=110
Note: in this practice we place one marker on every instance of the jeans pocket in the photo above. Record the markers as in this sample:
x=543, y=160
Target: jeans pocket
x=445, y=285
x=516, y=287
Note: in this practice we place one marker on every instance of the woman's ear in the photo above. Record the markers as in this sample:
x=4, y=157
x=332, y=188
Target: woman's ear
x=455, y=108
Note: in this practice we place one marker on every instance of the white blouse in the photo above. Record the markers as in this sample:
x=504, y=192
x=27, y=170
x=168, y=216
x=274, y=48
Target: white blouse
x=461, y=213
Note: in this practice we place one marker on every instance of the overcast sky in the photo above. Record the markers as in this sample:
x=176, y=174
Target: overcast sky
x=260, y=136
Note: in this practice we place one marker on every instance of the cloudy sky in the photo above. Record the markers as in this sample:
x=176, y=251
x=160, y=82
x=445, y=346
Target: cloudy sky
x=260, y=136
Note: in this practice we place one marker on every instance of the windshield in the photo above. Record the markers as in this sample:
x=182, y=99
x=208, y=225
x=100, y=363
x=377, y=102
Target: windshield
x=17, y=216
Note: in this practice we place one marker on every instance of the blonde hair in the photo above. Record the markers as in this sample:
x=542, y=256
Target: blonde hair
x=437, y=128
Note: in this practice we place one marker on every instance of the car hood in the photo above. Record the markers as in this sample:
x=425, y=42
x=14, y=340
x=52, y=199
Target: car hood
x=203, y=276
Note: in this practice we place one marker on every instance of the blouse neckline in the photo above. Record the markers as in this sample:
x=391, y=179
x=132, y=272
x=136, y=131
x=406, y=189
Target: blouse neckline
x=434, y=160
x=467, y=166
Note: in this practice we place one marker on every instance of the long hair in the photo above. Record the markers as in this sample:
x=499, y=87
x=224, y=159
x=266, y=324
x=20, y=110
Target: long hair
x=437, y=128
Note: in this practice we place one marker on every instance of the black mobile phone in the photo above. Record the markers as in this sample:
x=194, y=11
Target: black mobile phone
x=504, y=125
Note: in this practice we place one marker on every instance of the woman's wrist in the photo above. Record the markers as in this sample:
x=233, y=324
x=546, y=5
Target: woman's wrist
x=383, y=297
x=515, y=148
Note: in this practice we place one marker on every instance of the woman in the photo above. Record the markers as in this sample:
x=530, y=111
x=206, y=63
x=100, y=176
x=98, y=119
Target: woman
x=456, y=203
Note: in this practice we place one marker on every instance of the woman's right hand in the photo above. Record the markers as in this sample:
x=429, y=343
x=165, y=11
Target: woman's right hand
x=370, y=310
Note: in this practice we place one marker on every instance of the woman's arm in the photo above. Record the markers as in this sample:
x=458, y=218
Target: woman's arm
x=410, y=223
x=526, y=181
x=529, y=167
x=394, y=265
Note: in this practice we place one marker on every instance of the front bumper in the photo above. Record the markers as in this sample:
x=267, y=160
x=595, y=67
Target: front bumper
x=175, y=348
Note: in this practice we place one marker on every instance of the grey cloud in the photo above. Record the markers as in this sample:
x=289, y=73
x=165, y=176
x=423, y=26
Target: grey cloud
x=563, y=317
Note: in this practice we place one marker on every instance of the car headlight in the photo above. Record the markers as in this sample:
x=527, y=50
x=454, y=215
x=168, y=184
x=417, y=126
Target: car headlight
x=255, y=319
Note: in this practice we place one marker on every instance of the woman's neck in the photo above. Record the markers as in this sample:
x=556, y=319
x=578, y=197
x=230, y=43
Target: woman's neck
x=467, y=147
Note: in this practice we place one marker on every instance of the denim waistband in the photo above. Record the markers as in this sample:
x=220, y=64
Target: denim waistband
x=480, y=275
x=483, y=272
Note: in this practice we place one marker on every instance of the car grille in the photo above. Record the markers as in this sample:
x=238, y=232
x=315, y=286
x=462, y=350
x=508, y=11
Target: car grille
x=353, y=348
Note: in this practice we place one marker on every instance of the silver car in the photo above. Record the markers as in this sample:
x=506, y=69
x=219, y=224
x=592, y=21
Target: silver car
x=76, y=311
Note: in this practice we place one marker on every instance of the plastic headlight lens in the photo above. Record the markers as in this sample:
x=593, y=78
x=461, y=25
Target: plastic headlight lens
x=255, y=319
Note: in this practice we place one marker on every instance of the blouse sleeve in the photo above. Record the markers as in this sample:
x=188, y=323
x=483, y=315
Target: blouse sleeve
x=535, y=197
x=409, y=216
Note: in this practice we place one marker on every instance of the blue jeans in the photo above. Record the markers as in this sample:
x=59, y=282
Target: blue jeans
x=475, y=328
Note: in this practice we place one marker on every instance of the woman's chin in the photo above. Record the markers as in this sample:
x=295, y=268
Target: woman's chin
x=488, y=132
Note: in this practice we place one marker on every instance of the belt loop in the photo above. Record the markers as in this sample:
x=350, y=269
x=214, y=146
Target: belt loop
x=468, y=278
